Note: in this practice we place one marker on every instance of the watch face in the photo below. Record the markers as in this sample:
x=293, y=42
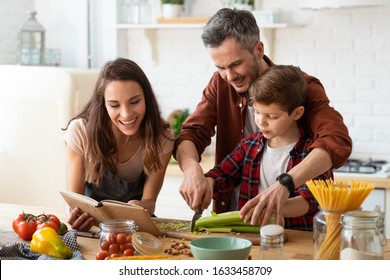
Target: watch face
x=284, y=178
x=287, y=181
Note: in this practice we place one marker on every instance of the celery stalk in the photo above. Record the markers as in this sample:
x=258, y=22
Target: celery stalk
x=227, y=222
x=226, y=218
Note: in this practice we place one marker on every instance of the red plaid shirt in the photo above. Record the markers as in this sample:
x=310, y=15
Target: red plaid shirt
x=242, y=168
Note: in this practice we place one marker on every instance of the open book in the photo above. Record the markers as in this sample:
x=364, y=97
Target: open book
x=111, y=209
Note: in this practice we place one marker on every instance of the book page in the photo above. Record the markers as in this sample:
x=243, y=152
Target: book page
x=111, y=209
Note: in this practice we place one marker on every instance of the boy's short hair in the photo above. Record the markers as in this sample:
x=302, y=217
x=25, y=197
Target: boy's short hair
x=284, y=85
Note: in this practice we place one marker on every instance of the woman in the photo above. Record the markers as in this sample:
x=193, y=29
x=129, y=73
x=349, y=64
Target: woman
x=119, y=146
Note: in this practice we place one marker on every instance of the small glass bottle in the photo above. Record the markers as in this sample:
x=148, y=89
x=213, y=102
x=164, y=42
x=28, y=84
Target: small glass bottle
x=271, y=242
x=361, y=238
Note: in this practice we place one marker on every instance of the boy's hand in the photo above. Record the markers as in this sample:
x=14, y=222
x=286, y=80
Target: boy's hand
x=259, y=209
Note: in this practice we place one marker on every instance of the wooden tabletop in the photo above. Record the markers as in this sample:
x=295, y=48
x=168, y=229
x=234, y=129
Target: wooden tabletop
x=299, y=245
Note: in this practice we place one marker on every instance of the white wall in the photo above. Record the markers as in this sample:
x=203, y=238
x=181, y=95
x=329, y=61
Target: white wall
x=347, y=49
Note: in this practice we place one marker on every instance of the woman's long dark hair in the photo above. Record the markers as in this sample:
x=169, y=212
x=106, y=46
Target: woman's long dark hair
x=101, y=150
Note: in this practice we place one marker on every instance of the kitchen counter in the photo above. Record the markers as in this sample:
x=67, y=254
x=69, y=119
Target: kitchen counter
x=380, y=183
x=298, y=246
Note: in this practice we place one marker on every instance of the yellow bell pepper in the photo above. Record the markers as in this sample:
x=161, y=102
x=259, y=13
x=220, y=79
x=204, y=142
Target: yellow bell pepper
x=46, y=241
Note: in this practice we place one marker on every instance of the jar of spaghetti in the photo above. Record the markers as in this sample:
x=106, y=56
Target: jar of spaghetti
x=361, y=237
x=327, y=234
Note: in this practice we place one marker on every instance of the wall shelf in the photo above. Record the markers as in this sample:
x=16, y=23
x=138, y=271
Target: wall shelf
x=118, y=34
x=183, y=26
x=266, y=34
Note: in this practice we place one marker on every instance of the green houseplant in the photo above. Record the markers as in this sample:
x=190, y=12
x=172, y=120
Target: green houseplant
x=176, y=120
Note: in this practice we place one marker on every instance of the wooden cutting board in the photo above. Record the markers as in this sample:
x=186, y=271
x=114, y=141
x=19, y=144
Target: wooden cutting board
x=180, y=229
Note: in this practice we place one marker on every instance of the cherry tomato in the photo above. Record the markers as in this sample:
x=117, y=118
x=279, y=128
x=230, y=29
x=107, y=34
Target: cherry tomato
x=24, y=225
x=102, y=255
x=104, y=245
x=128, y=239
x=113, y=249
x=116, y=255
x=49, y=220
x=111, y=238
x=128, y=252
x=121, y=238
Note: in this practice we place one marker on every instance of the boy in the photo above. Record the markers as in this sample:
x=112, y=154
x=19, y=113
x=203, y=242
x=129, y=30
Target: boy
x=277, y=98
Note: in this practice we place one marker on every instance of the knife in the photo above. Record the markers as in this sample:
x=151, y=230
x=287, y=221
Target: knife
x=197, y=215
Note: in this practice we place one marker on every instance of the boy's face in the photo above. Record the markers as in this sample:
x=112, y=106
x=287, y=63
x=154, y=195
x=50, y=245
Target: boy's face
x=276, y=124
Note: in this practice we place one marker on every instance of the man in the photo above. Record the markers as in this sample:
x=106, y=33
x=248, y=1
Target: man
x=233, y=41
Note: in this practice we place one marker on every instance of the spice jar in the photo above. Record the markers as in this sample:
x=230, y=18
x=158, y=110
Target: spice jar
x=116, y=238
x=361, y=237
x=327, y=234
x=271, y=242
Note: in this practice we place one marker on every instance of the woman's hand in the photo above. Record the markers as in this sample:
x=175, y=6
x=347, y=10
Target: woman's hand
x=80, y=220
x=148, y=204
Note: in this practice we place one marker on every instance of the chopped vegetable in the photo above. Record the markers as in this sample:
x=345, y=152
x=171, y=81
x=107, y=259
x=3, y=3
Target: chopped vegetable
x=227, y=222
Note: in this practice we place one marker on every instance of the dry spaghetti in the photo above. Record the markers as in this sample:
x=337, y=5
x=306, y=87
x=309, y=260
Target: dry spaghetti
x=336, y=198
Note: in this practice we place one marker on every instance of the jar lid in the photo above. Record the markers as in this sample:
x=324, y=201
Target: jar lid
x=271, y=230
x=146, y=243
x=118, y=224
x=363, y=214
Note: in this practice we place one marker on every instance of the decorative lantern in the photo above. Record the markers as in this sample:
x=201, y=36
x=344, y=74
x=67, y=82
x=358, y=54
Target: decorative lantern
x=32, y=42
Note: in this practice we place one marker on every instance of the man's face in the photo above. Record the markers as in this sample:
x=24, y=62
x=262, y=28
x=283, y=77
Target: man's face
x=236, y=65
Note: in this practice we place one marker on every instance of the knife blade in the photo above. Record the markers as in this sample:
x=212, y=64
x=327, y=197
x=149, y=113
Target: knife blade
x=197, y=215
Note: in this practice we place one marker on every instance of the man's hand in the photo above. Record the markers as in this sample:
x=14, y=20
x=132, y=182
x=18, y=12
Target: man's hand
x=195, y=189
x=259, y=209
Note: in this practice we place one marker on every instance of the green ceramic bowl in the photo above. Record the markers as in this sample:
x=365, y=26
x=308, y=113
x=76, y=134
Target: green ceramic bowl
x=220, y=248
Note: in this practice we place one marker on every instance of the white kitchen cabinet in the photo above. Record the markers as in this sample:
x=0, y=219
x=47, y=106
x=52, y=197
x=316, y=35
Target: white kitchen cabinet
x=36, y=102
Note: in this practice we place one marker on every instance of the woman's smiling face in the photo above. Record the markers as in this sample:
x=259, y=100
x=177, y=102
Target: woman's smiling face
x=125, y=104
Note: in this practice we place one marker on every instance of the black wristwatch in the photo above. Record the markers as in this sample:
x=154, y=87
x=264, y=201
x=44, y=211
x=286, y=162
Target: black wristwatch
x=287, y=181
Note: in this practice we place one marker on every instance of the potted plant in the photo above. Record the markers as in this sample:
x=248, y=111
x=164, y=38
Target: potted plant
x=176, y=119
x=172, y=8
x=243, y=4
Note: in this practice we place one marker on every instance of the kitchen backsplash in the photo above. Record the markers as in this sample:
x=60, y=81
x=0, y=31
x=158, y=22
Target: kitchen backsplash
x=347, y=49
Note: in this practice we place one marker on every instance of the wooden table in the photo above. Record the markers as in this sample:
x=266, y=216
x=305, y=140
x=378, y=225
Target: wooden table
x=298, y=247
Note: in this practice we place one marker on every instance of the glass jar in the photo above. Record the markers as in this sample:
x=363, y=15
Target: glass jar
x=271, y=242
x=147, y=244
x=327, y=234
x=116, y=237
x=361, y=238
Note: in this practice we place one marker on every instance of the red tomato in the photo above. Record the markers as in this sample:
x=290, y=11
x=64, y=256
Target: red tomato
x=121, y=238
x=128, y=239
x=111, y=238
x=102, y=255
x=128, y=252
x=113, y=249
x=24, y=225
x=104, y=245
x=114, y=256
x=49, y=220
